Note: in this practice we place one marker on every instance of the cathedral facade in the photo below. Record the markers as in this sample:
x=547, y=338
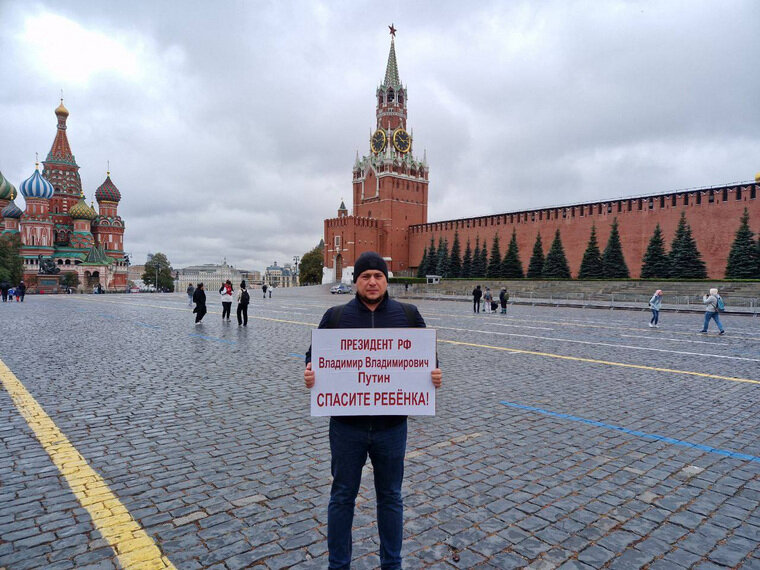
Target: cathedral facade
x=390, y=202
x=58, y=229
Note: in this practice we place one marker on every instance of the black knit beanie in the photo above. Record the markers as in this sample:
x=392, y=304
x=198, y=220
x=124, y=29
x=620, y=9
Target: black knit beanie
x=369, y=260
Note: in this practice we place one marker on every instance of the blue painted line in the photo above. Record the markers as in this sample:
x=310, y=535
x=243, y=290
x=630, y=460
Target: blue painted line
x=296, y=355
x=213, y=338
x=652, y=436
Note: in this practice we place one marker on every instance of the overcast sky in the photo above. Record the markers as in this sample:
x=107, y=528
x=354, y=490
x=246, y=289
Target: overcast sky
x=232, y=127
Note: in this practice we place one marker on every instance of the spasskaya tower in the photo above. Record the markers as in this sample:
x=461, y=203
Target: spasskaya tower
x=390, y=188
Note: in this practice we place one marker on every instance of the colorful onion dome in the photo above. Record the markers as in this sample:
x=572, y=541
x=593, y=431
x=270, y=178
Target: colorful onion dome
x=7, y=190
x=81, y=211
x=107, y=192
x=37, y=187
x=757, y=177
x=11, y=211
x=61, y=110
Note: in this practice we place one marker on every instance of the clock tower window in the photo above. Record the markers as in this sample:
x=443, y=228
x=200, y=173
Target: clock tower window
x=390, y=95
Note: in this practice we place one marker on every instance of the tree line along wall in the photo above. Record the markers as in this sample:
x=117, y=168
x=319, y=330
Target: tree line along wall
x=713, y=214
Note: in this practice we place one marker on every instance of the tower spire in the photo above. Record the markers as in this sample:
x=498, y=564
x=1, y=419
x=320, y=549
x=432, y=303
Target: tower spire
x=391, y=70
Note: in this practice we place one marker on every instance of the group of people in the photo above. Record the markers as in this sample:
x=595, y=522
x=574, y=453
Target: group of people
x=488, y=300
x=19, y=291
x=713, y=306
x=197, y=295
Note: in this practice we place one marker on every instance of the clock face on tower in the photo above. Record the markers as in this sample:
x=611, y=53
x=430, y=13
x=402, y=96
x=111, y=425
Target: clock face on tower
x=401, y=140
x=378, y=141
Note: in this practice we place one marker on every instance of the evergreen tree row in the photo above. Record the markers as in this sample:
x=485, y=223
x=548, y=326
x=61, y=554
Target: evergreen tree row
x=684, y=260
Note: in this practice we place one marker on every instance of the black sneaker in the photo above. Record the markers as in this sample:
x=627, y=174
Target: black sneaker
x=721, y=333
x=703, y=332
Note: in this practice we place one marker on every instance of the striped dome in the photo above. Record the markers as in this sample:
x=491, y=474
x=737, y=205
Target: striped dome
x=107, y=192
x=7, y=190
x=37, y=187
x=11, y=211
x=81, y=211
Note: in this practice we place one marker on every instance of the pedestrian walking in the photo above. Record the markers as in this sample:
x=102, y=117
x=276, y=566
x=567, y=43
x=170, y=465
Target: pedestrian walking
x=503, y=299
x=226, y=292
x=655, y=303
x=488, y=299
x=714, y=304
x=4, y=287
x=190, y=291
x=243, y=298
x=353, y=438
x=20, y=292
x=270, y=291
x=264, y=289
x=476, y=295
x=199, y=298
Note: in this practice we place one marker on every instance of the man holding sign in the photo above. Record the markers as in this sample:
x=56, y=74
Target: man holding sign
x=374, y=377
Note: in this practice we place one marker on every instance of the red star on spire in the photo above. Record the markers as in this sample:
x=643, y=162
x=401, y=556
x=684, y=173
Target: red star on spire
x=393, y=30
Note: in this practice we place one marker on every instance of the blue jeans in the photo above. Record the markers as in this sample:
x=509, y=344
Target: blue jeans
x=655, y=316
x=708, y=316
x=349, y=447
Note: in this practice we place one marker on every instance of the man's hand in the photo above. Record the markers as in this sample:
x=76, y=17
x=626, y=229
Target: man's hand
x=308, y=377
x=436, y=376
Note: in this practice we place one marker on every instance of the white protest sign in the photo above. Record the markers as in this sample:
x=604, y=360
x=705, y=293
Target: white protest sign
x=370, y=372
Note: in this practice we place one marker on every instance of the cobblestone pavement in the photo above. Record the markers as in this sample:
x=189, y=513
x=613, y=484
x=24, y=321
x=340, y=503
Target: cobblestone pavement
x=563, y=438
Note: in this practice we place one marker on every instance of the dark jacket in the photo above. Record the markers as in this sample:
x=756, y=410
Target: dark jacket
x=4, y=286
x=477, y=293
x=388, y=314
x=503, y=297
x=199, y=298
x=21, y=288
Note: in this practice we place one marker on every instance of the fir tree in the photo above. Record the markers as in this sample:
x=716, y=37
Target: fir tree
x=442, y=266
x=494, y=265
x=467, y=261
x=423, y=264
x=556, y=262
x=455, y=259
x=685, y=259
x=11, y=264
x=475, y=267
x=536, y=265
x=591, y=266
x=511, y=267
x=742, y=259
x=483, y=261
x=432, y=258
x=655, y=263
x=613, y=262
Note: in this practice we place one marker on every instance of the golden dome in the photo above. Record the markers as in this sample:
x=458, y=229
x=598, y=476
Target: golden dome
x=61, y=110
x=81, y=211
x=757, y=177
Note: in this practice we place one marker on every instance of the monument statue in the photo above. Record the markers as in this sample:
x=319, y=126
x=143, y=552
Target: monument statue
x=48, y=266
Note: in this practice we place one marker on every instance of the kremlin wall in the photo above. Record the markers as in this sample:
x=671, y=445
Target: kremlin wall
x=390, y=205
x=713, y=214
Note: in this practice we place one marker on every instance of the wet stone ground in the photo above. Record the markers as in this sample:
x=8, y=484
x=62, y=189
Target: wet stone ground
x=592, y=441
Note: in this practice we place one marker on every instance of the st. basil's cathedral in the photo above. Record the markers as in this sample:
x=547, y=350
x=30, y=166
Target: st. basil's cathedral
x=58, y=229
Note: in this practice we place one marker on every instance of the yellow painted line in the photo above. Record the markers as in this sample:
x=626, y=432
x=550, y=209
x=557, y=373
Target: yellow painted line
x=530, y=352
x=605, y=362
x=133, y=547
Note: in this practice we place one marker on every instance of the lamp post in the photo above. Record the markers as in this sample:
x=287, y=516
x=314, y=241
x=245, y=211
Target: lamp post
x=296, y=259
